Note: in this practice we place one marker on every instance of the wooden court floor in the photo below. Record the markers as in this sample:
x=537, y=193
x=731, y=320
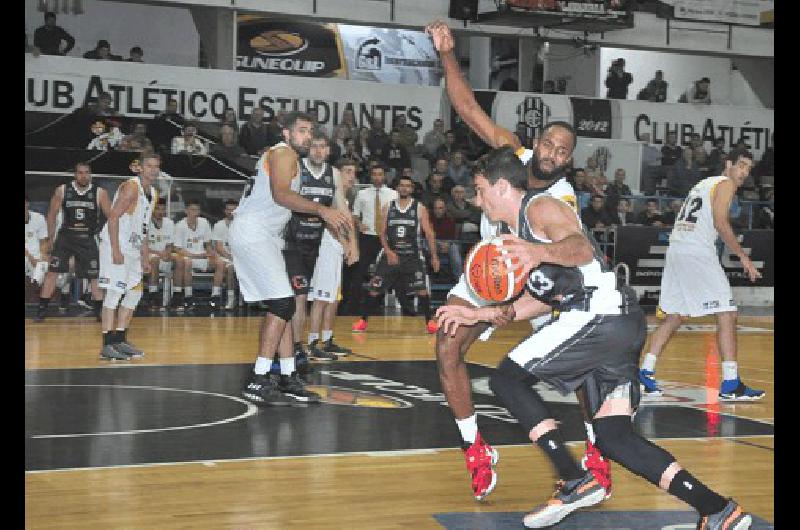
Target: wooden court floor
x=371, y=489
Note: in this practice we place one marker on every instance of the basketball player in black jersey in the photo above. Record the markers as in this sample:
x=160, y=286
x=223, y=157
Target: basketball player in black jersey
x=592, y=342
x=303, y=236
x=400, y=263
x=82, y=201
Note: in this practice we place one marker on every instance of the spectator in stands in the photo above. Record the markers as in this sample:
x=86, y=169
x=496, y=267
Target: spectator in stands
x=616, y=189
x=229, y=118
x=435, y=190
x=102, y=107
x=164, y=126
x=189, y=143
x=657, y=88
x=52, y=39
x=651, y=215
x=596, y=215
x=447, y=235
x=362, y=148
x=522, y=134
x=446, y=150
x=397, y=156
x=674, y=208
x=106, y=136
x=550, y=87
x=137, y=140
x=766, y=166
x=229, y=150
x=716, y=159
x=697, y=93
x=408, y=136
x=135, y=55
x=433, y=139
x=765, y=214
x=274, y=128
x=318, y=125
x=350, y=152
x=347, y=128
x=171, y=112
x=670, y=152
x=458, y=171
x=378, y=141
x=618, y=80
x=462, y=211
x=102, y=52
x=582, y=190
x=255, y=135
x=624, y=216
x=192, y=240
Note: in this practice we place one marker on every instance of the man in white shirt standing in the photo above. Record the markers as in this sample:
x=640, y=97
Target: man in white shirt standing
x=223, y=263
x=367, y=218
x=193, y=247
x=160, y=243
x=35, y=244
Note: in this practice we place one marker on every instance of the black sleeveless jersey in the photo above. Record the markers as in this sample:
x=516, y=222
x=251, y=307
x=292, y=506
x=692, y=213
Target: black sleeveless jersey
x=80, y=210
x=556, y=285
x=306, y=228
x=402, y=228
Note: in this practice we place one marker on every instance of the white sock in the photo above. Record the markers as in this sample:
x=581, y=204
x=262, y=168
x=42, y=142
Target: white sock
x=312, y=337
x=327, y=334
x=216, y=290
x=187, y=291
x=262, y=365
x=589, y=432
x=177, y=289
x=468, y=428
x=649, y=362
x=152, y=288
x=730, y=370
x=231, y=295
x=287, y=365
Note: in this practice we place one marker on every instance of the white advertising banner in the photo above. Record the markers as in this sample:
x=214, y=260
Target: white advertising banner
x=63, y=84
x=747, y=12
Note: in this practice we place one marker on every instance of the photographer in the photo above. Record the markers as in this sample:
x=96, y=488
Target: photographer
x=618, y=80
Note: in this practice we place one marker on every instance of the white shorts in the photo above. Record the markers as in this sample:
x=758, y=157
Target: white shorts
x=36, y=274
x=694, y=285
x=123, y=277
x=259, y=264
x=327, y=276
x=200, y=264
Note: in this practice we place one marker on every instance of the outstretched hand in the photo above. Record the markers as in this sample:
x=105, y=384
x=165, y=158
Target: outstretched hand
x=441, y=35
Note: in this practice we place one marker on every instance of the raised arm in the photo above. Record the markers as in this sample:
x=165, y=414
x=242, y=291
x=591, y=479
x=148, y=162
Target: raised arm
x=460, y=93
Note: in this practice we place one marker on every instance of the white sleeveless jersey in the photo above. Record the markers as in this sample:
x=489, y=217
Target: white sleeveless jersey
x=257, y=207
x=159, y=238
x=133, y=224
x=560, y=189
x=694, y=225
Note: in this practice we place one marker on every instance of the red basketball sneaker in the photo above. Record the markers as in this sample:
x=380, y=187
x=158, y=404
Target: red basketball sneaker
x=359, y=325
x=481, y=458
x=593, y=461
x=431, y=327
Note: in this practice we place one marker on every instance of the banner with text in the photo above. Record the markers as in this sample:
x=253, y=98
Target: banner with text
x=746, y=12
x=63, y=84
x=644, y=250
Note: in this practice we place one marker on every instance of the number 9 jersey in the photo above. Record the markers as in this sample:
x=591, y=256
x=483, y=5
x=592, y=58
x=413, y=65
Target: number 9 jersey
x=694, y=224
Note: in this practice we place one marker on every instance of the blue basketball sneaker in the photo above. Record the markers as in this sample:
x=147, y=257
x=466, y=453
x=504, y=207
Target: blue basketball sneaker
x=649, y=384
x=735, y=390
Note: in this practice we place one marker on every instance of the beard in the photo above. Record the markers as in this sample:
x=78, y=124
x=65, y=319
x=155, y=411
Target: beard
x=300, y=149
x=556, y=173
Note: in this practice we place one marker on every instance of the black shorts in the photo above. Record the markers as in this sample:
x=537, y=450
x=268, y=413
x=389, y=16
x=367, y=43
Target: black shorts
x=579, y=348
x=300, y=262
x=410, y=270
x=83, y=247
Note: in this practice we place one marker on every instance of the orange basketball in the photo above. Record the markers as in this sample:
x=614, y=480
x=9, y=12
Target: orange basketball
x=490, y=277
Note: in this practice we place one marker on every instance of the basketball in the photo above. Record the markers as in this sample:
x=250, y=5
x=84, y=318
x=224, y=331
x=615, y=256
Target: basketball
x=489, y=278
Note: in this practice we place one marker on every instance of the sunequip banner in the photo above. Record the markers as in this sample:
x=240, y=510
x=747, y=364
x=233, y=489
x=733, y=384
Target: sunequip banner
x=644, y=249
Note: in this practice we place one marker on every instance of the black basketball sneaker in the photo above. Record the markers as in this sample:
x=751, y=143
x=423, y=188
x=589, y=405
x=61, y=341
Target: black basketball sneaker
x=263, y=390
x=295, y=388
x=318, y=354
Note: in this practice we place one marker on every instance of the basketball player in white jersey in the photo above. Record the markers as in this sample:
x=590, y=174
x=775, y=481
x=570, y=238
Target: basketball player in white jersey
x=160, y=244
x=256, y=241
x=694, y=283
x=192, y=241
x=35, y=244
x=546, y=164
x=223, y=264
x=326, y=280
x=124, y=257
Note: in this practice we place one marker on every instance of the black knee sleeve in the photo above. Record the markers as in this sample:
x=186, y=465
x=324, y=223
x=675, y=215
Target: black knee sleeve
x=282, y=308
x=512, y=385
x=617, y=440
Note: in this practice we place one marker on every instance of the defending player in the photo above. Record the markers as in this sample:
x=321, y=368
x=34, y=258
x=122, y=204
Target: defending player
x=124, y=257
x=81, y=201
x=327, y=278
x=400, y=263
x=694, y=283
x=256, y=242
x=593, y=342
x=546, y=164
